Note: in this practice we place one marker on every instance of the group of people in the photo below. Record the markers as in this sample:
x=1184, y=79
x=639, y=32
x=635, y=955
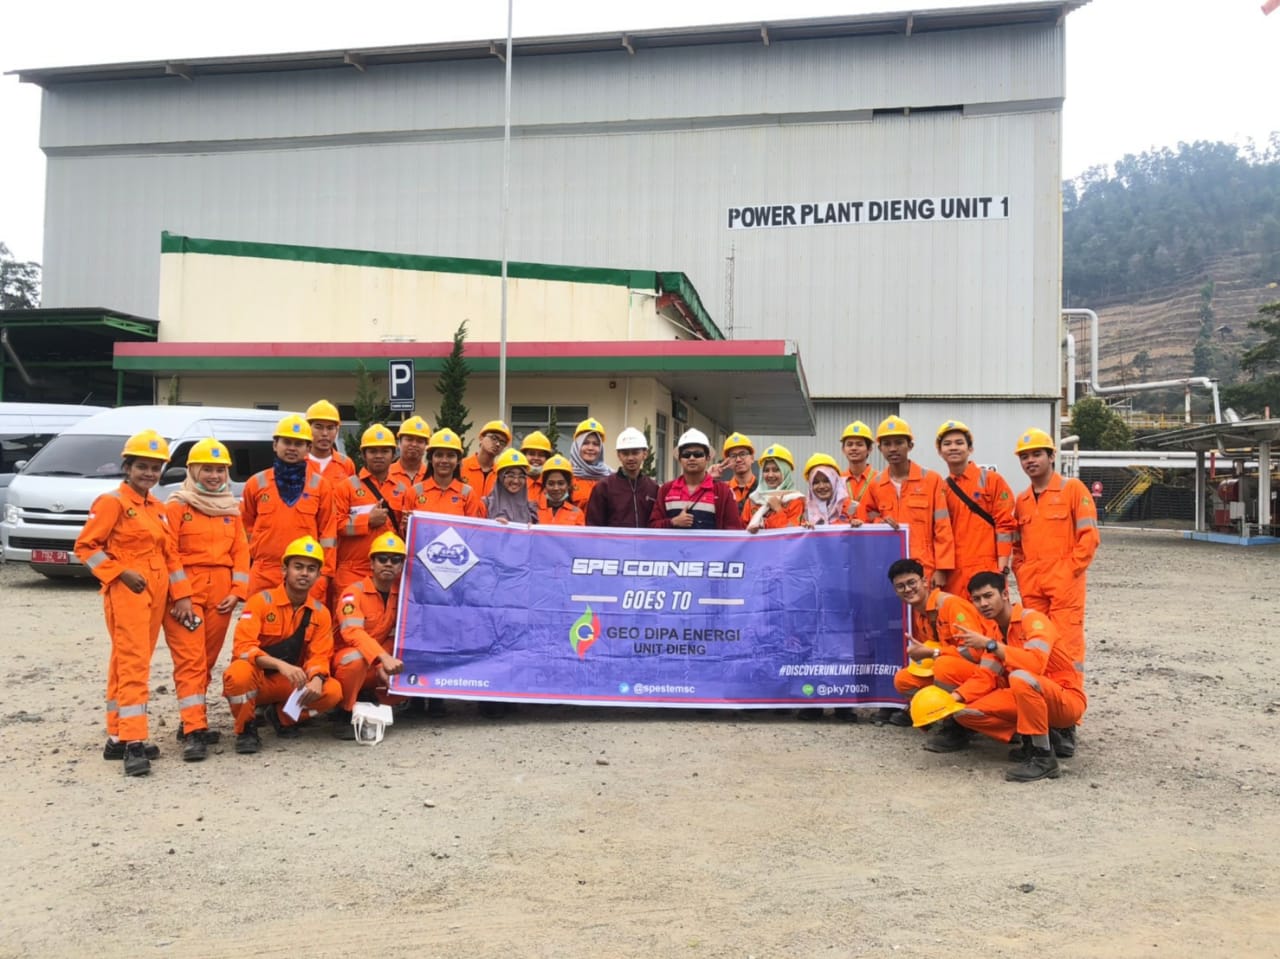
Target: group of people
x=314, y=550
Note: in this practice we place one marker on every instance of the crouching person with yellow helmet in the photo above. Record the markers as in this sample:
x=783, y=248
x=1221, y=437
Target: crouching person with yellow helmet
x=366, y=611
x=208, y=535
x=283, y=644
x=125, y=543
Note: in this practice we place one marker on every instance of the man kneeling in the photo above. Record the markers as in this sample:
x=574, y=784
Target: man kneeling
x=1026, y=685
x=283, y=643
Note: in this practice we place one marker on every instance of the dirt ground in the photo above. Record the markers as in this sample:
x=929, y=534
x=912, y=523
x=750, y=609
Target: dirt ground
x=568, y=833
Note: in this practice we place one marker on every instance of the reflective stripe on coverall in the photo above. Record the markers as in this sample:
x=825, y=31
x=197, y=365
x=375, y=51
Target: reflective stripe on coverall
x=456, y=499
x=979, y=547
x=271, y=526
x=365, y=627
x=922, y=508
x=353, y=502
x=939, y=625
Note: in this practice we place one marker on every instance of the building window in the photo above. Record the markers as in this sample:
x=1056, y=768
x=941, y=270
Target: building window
x=526, y=419
x=661, y=446
x=266, y=406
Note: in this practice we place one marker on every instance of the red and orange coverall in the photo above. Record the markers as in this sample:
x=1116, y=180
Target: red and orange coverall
x=567, y=515
x=354, y=501
x=740, y=493
x=215, y=554
x=457, y=499
x=922, y=508
x=127, y=531
x=1037, y=687
x=1056, y=539
x=269, y=617
x=939, y=625
x=979, y=546
x=480, y=480
x=366, y=629
x=271, y=526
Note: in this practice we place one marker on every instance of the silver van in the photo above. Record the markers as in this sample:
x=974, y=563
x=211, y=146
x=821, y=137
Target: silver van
x=49, y=499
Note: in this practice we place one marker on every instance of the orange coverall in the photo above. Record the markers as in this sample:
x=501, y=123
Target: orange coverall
x=944, y=615
x=791, y=514
x=457, y=499
x=567, y=515
x=353, y=501
x=126, y=531
x=366, y=628
x=337, y=469
x=979, y=547
x=215, y=554
x=740, y=493
x=478, y=479
x=1055, y=542
x=271, y=526
x=1037, y=687
x=922, y=508
x=858, y=486
x=581, y=492
x=268, y=618
x=400, y=475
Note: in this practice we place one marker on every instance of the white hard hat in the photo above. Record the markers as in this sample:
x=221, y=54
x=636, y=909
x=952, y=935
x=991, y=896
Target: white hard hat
x=631, y=439
x=693, y=438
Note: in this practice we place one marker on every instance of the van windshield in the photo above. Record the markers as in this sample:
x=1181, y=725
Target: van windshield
x=78, y=454
x=14, y=448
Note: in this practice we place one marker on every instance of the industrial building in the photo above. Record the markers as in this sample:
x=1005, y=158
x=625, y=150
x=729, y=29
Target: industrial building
x=880, y=191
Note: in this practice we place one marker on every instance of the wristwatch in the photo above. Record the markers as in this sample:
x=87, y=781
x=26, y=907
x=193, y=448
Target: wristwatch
x=992, y=645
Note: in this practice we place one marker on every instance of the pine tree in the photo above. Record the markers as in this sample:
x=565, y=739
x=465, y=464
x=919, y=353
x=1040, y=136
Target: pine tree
x=648, y=467
x=452, y=386
x=553, y=429
x=370, y=408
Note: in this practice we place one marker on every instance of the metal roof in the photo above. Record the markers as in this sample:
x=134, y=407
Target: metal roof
x=906, y=22
x=1244, y=436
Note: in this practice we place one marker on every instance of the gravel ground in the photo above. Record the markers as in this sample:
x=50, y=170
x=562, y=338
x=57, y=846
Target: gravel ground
x=567, y=833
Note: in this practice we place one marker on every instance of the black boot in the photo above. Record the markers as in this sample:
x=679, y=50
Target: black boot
x=1020, y=749
x=248, y=742
x=948, y=737
x=136, y=762
x=1041, y=764
x=1063, y=742
x=113, y=751
x=194, y=746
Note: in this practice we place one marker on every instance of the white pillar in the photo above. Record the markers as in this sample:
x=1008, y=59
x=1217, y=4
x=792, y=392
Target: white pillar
x=1264, y=485
x=1202, y=488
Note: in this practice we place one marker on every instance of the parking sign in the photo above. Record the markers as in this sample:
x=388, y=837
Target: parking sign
x=400, y=386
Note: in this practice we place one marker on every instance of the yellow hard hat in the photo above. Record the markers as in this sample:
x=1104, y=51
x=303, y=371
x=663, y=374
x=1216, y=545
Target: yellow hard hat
x=293, y=427
x=932, y=704
x=323, y=411
x=557, y=464
x=377, y=435
x=819, y=459
x=954, y=426
x=210, y=453
x=537, y=440
x=776, y=451
x=923, y=667
x=387, y=543
x=893, y=426
x=857, y=430
x=445, y=439
x=496, y=426
x=147, y=445
x=306, y=547
x=739, y=440
x=509, y=458
x=1033, y=439
x=415, y=426
x=590, y=425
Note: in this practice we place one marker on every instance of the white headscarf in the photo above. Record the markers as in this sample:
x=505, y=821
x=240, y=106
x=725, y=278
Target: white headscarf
x=824, y=514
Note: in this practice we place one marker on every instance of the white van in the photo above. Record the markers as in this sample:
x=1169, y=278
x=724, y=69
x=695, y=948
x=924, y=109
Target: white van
x=26, y=428
x=49, y=499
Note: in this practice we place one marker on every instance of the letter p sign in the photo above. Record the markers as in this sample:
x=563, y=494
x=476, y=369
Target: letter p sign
x=400, y=386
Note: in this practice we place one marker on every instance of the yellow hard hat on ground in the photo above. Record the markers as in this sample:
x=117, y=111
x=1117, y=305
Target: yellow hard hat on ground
x=739, y=441
x=387, y=543
x=496, y=426
x=147, y=445
x=1033, y=439
x=415, y=426
x=323, y=411
x=537, y=440
x=293, y=427
x=857, y=430
x=954, y=426
x=893, y=426
x=922, y=667
x=776, y=451
x=209, y=453
x=557, y=464
x=510, y=458
x=445, y=439
x=306, y=547
x=819, y=459
x=377, y=435
x=932, y=704
x=590, y=425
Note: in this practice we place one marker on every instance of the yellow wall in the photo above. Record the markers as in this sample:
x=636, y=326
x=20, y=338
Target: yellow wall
x=207, y=298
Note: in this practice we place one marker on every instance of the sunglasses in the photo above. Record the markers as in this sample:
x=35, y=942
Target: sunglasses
x=693, y=454
x=392, y=560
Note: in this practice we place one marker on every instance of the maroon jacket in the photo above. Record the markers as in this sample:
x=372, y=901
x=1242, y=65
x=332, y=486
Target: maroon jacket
x=713, y=507
x=619, y=502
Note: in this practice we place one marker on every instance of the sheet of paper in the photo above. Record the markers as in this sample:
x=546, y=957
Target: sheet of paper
x=293, y=707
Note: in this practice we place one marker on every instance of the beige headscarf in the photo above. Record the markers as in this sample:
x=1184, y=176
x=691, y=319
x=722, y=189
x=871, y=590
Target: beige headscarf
x=223, y=503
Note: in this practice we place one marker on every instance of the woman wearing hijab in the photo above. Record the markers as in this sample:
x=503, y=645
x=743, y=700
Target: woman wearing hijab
x=509, y=501
x=828, y=499
x=775, y=503
x=555, y=507
x=587, y=456
x=208, y=534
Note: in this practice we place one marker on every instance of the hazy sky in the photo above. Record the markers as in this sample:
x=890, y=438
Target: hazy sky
x=1140, y=73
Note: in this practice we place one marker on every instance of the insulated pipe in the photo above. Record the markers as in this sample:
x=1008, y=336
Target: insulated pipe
x=1070, y=344
x=1188, y=382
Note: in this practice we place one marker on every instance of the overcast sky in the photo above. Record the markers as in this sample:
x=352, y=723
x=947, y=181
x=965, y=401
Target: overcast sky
x=1140, y=73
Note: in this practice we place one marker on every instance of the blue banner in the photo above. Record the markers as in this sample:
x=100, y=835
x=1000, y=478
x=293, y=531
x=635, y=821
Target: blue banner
x=649, y=617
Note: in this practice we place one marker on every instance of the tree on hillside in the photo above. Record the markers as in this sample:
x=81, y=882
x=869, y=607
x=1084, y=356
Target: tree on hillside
x=19, y=282
x=452, y=386
x=1098, y=426
x=1262, y=362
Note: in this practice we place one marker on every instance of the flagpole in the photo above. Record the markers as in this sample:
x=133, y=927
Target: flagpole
x=506, y=215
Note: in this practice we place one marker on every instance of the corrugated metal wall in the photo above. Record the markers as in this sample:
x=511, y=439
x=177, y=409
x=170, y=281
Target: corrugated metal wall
x=628, y=162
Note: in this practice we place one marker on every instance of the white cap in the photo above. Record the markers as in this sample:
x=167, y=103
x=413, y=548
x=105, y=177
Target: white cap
x=631, y=439
x=693, y=438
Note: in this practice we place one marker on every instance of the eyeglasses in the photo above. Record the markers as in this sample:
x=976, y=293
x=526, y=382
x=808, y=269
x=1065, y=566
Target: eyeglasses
x=738, y=454
x=693, y=454
x=517, y=473
x=907, y=585
x=391, y=560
